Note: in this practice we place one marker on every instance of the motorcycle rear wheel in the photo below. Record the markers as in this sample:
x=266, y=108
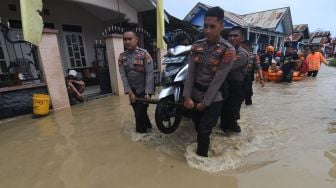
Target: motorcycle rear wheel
x=167, y=115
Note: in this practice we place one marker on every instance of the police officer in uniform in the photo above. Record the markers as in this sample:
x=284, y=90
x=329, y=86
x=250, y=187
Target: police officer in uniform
x=210, y=61
x=235, y=80
x=253, y=66
x=136, y=71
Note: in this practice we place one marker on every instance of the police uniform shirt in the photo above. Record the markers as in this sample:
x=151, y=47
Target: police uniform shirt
x=136, y=71
x=204, y=74
x=238, y=70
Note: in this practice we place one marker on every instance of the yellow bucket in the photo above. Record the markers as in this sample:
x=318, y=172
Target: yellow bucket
x=41, y=104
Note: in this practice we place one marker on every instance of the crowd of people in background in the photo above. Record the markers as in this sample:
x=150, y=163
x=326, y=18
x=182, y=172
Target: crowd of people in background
x=306, y=63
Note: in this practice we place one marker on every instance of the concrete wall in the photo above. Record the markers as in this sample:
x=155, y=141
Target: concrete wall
x=18, y=102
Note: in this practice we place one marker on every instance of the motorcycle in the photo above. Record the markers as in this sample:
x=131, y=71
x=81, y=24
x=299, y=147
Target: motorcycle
x=169, y=109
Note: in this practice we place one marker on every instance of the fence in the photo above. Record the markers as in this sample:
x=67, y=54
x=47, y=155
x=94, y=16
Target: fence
x=18, y=58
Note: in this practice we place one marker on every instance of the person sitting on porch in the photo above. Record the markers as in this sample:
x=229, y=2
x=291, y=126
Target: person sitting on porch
x=75, y=87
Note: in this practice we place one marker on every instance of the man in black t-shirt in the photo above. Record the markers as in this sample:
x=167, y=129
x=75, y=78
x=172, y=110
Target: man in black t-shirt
x=288, y=65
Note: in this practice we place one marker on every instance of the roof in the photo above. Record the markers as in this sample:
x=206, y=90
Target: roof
x=320, y=34
x=300, y=28
x=237, y=19
x=266, y=19
x=231, y=17
x=142, y=5
x=295, y=37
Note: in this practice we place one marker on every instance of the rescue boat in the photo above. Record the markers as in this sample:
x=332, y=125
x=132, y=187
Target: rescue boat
x=276, y=76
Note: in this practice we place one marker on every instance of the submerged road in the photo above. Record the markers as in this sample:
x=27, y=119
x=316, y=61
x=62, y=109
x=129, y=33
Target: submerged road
x=288, y=139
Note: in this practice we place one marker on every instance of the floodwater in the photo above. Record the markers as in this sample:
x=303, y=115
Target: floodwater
x=288, y=140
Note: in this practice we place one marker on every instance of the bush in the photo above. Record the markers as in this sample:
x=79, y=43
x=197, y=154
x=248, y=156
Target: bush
x=333, y=62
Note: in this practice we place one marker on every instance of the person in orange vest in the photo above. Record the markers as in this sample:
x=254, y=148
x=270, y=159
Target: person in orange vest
x=314, y=60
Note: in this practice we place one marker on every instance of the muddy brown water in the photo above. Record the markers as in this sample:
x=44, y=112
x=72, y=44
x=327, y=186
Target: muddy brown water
x=288, y=139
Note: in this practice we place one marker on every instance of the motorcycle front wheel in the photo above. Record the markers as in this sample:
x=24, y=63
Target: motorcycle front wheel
x=167, y=115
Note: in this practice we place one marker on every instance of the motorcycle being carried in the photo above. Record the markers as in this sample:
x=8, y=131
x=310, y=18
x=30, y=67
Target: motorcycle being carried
x=169, y=109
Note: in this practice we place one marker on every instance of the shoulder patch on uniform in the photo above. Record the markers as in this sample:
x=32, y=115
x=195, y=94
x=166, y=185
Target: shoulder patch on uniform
x=122, y=58
x=228, y=56
x=197, y=51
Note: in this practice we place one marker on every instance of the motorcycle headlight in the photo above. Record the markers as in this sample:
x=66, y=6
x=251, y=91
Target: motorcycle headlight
x=173, y=60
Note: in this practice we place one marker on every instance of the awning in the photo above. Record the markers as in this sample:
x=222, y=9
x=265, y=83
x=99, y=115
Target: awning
x=319, y=40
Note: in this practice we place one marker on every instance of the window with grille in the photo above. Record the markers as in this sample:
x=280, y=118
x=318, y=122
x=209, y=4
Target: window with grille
x=76, y=49
x=75, y=46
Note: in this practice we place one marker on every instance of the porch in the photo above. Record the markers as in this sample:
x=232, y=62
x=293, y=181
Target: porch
x=80, y=40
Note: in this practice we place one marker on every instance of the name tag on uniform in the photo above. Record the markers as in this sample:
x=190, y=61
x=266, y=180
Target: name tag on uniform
x=138, y=60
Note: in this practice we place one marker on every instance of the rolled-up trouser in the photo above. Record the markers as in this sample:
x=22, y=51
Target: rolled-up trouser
x=204, y=122
x=231, y=106
x=142, y=121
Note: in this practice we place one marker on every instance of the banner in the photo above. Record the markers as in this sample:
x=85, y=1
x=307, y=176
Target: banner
x=160, y=25
x=32, y=23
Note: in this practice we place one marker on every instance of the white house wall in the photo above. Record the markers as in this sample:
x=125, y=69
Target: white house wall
x=126, y=9
x=76, y=15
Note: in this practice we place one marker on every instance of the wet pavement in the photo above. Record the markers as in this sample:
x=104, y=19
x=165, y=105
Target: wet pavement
x=288, y=139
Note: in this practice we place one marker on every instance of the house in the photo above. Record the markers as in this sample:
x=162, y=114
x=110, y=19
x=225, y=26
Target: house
x=333, y=43
x=299, y=38
x=322, y=40
x=263, y=28
x=73, y=30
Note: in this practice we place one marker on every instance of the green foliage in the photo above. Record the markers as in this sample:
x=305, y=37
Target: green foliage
x=333, y=62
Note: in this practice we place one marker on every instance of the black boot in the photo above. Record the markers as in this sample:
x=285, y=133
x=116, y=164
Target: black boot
x=235, y=127
x=248, y=101
x=148, y=123
x=203, y=143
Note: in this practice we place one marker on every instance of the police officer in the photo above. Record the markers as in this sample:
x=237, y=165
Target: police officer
x=136, y=71
x=253, y=66
x=210, y=61
x=235, y=80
